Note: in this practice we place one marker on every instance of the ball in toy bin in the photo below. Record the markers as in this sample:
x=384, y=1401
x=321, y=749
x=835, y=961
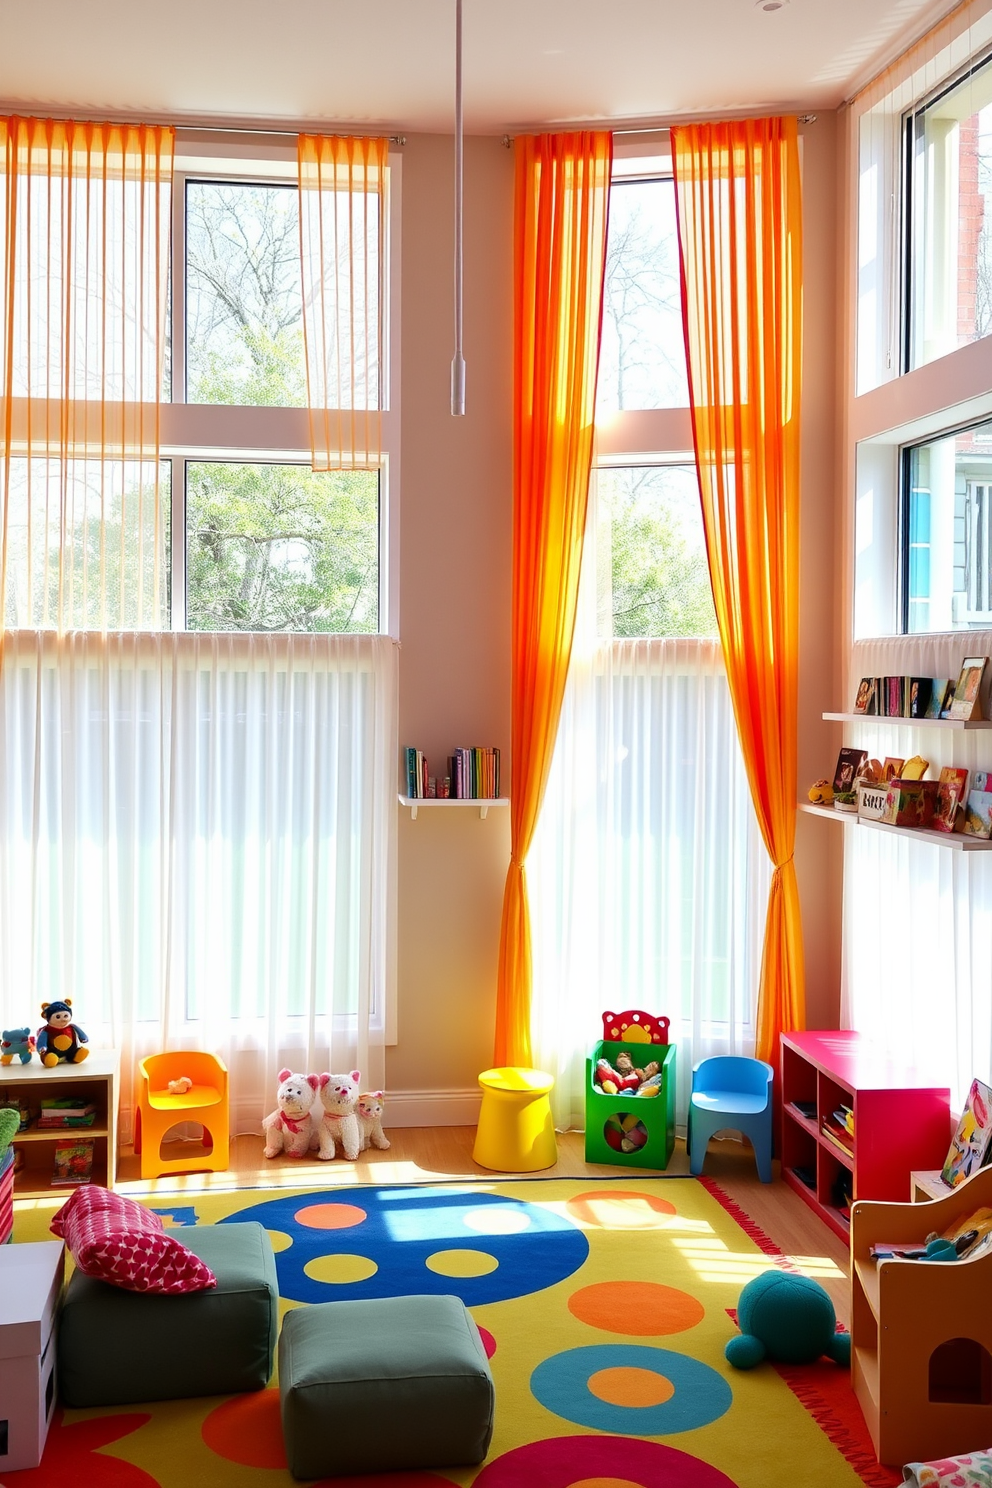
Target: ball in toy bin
x=614, y=1133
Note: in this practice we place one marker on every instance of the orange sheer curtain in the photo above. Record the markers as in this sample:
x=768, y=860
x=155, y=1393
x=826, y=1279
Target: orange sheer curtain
x=87, y=217
x=740, y=239
x=342, y=240
x=562, y=199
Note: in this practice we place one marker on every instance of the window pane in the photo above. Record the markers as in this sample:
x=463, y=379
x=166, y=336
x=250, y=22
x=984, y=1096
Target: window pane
x=947, y=551
x=653, y=573
x=244, y=298
x=642, y=358
x=86, y=544
x=276, y=547
x=950, y=248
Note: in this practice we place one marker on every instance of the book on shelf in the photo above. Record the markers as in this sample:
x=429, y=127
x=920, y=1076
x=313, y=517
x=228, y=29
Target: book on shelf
x=866, y=690
x=938, y=696
x=978, y=808
x=970, y=1145
x=918, y=699
x=73, y=1162
x=806, y=1108
x=849, y=762
x=839, y=1136
x=967, y=702
x=892, y=767
x=952, y=784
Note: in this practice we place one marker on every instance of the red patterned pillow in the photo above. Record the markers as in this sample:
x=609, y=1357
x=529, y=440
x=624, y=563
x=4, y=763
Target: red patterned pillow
x=115, y=1239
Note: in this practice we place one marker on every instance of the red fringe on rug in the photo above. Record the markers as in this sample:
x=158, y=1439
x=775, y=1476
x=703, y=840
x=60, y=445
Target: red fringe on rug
x=821, y=1388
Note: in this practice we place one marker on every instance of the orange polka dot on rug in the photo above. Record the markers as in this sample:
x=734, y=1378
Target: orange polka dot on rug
x=330, y=1216
x=606, y=1483
x=620, y=1209
x=630, y=1386
x=248, y=1430
x=636, y=1308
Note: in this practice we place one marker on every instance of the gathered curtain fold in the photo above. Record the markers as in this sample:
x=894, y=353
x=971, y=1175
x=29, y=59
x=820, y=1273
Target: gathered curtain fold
x=738, y=200
x=87, y=218
x=343, y=183
x=562, y=188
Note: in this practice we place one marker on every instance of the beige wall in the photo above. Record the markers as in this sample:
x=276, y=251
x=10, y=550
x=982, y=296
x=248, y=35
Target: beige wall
x=454, y=605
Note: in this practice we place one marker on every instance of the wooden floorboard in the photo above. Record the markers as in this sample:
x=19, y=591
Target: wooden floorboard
x=423, y=1154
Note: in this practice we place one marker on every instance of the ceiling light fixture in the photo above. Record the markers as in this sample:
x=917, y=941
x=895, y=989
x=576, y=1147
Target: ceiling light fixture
x=771, y=4
x=458, y=361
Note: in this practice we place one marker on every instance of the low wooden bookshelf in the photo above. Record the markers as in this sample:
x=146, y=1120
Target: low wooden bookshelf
x=902, y=1123
x=96, y=1079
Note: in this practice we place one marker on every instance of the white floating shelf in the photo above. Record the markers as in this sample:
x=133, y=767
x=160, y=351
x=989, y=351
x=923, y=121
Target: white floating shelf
x=942, y=723
x=957, y=841
x=431, y=803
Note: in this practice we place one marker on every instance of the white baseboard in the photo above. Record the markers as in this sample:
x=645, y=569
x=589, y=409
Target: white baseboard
x=432, y=1107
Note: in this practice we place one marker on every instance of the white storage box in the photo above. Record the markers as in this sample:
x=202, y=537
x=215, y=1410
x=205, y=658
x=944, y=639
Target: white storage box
x=871, y=801
x=30, y=1287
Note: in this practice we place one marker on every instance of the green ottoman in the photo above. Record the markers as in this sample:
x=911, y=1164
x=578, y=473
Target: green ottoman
x=117, y=1347
x=383, y=1385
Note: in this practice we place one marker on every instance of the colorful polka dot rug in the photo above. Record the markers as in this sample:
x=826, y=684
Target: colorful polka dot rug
x=604, y=1307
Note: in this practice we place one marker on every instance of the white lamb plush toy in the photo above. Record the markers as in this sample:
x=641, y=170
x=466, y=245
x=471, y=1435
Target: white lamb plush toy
x=289, y=1128
x=370, y=1120
x=339, y=1123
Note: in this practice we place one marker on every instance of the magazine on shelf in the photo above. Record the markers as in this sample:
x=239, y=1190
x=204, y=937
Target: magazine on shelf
x=866, y=690
x=969, y=1149
x=73, y=1162
x=938, y=697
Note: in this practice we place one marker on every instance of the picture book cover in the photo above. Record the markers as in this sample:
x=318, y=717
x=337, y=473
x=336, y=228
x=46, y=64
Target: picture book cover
x=978, y=811
x=866, y=688
x=919, y=696
x=952, y=785
x=892, y=767
x=967, y=691
x=938, y=697
x=969, y=1148
x=73, y=1163
x=849, y=762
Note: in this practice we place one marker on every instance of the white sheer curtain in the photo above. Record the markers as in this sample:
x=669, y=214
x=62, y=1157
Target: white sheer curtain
x=195, y=840
x=917, y=927
x=648, y=877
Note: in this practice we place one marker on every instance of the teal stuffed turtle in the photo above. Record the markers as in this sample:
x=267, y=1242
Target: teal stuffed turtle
x=789, y=1318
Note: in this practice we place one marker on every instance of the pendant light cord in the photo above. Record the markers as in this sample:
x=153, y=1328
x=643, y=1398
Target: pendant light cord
x=458, y=361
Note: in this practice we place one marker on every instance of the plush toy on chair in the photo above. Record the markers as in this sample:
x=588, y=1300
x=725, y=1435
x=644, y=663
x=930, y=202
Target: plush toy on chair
x=788, y=1318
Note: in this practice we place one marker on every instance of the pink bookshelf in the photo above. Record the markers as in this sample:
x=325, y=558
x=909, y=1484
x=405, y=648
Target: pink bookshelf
x=902, y=1122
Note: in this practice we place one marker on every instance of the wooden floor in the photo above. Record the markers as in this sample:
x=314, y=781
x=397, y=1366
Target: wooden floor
x=420, y=1154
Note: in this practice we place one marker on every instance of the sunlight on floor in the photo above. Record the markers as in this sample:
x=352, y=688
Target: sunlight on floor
x=712, y=1261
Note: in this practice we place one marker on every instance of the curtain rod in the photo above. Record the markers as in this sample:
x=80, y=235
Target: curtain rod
x=117, y=116
x=507, y=139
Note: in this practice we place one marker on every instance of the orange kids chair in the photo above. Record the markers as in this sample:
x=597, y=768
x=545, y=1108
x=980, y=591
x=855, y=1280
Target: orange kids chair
x=157, y=1111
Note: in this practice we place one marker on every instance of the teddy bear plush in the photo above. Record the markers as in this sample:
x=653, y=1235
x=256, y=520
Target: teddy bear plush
x=337, y=1122
x=369, y=1113
x=16, y=1043
x=289, y=1127
x=60, y=1041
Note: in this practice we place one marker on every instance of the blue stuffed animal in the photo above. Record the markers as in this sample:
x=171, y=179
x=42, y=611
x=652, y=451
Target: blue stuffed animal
x=16, y=1043
x=61, y=1040
x=786, y=1317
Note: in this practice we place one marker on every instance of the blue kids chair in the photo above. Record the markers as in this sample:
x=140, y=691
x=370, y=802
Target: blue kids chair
x=732, y=1093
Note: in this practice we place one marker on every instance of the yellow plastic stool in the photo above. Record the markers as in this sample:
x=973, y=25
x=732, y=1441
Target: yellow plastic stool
x=515, y=1133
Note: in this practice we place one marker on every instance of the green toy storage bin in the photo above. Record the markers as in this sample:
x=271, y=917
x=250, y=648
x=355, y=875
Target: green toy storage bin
x=656, y=1113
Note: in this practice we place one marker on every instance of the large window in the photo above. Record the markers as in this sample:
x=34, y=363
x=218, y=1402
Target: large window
x=949, y=218
x=648, y=878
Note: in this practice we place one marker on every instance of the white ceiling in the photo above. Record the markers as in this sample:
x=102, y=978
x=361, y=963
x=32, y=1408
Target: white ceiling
x=390, y=63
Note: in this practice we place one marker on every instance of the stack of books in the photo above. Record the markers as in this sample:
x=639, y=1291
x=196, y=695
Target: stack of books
x=66, y=1113
x=838, y=1128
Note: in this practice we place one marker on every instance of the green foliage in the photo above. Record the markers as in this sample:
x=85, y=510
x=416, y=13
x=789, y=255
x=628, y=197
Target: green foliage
x=659, y=578
x=278, y=548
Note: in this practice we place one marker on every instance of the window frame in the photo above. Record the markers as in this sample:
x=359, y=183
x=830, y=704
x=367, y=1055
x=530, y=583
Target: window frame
x=192, y=432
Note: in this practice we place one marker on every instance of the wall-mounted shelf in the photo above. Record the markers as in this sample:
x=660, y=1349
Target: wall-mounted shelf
x=430, y=803
x=941, y=723
x=955, y=840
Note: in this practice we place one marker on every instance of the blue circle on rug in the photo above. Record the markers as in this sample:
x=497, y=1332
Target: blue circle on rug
x=523, y=1247
x=701, y=1395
